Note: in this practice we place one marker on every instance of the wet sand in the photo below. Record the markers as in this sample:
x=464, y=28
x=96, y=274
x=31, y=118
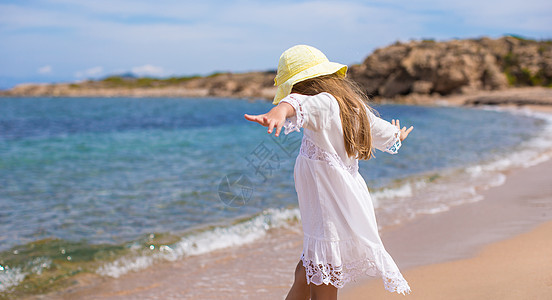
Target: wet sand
x=262, y=269
x=515, y=268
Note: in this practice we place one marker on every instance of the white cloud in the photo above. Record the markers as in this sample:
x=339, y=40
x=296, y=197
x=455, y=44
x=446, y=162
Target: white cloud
x=148, y=70
x=45, y=70
x=89, y=73
x=213, y=35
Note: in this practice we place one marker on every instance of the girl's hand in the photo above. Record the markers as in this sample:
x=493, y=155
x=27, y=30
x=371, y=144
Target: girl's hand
x=275, y=118
x=404, y=131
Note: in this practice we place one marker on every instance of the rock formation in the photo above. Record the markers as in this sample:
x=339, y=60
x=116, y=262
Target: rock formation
x=456, y=66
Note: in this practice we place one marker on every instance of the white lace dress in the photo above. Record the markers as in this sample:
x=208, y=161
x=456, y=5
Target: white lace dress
x=341, y=239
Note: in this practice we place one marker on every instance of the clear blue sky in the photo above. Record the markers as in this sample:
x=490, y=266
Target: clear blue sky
x=63, y=40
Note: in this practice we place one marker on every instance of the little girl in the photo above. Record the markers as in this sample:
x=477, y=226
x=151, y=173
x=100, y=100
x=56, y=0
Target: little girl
x=341, y=239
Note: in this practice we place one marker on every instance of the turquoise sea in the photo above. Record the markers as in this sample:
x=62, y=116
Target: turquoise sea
x=86, y=182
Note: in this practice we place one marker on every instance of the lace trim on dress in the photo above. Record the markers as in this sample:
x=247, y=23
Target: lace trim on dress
x=310, y=150
x=295, y=123
x=339, y=275
x=393, y=145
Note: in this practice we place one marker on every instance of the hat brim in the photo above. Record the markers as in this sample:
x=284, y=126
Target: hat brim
x=325, y=68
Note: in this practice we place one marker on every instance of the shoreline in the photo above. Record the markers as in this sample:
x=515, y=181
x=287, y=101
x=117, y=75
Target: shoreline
x=425, y=240
x=87, y=280
x=445, y=241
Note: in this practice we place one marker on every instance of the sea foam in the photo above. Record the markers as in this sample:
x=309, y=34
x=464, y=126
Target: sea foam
x=435, y=193
x=10, y=277
x=205, y=241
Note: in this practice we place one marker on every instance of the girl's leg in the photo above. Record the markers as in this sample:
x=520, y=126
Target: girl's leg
x=299, y=290
x=323, y=292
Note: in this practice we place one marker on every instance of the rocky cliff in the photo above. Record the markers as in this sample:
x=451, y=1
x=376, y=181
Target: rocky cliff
x=456, y=66
x=413, y=68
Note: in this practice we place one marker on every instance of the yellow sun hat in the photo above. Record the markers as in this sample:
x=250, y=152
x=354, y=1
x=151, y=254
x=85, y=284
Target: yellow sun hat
x=300, y=63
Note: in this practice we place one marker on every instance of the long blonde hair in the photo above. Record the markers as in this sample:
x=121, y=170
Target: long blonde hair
x=352, y=110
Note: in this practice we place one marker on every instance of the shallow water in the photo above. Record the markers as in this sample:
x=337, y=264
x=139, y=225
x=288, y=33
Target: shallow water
x=87, y=183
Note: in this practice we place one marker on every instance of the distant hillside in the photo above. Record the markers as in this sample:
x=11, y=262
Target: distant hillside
x=243, y=85
x=417, y=67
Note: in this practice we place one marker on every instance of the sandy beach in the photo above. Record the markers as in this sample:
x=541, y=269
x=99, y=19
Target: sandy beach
x=517, y=268
x=510, y=268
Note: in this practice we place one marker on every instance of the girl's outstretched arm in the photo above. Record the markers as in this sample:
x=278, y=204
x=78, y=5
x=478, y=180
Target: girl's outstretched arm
x=404, y=131
x=275, y=118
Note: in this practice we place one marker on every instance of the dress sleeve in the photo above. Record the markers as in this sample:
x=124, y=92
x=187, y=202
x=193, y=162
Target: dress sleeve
x=385, y=136
x=311, y=112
